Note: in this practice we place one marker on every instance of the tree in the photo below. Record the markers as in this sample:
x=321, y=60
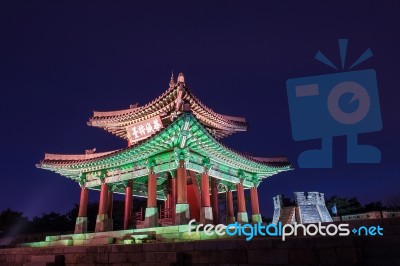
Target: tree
x=344, y=205
x=393, y=202
x=92, y=210
x=374, y=206
x=12, y=222
x=347, y=206
x=51, y=222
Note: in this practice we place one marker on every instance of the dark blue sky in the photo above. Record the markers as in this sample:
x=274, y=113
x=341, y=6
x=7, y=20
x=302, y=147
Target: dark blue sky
x=60, y=61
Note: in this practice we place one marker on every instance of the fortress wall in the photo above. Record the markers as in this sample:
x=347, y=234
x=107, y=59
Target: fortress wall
x=259, y=251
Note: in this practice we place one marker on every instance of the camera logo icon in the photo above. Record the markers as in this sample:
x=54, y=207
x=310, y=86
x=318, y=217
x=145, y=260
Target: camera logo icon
x=358, y=92
x=338, y=104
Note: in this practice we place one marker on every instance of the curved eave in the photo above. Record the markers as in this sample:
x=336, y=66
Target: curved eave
x=262, y=166
x=215, y=120
x=218, y=125
x=164, y=140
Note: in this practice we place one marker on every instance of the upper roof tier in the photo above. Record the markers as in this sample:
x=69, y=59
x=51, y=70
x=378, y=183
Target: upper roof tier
x=175, y=100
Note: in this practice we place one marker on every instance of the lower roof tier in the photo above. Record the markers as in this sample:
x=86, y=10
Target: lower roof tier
x=185, y=139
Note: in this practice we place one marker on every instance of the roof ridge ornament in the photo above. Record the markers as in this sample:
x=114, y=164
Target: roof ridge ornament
x=134, y=106
x=90, y=151
x=172, y=82
x=179, y=97
x=181, y=78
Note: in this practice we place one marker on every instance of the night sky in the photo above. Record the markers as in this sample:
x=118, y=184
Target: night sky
x=59, y=61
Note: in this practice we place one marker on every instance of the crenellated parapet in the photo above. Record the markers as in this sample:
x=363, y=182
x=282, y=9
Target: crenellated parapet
x=278, y=203
x=309, y=198
x=308, y=207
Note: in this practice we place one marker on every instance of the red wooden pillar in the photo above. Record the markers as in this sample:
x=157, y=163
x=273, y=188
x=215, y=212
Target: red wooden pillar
x=83, y=202
x=255, y=209
x=151, y=215
x=81, y=220
x=152, y=190
x=101, y=220
x=254, y=201
x=230, y=216
x=181, y=183
x=167, y=201
x=103, y=198
x=173, y=197
x=214, y=200
x=206, y=214
x=240, y=198
x=128, y=205
x=110, y=201
x=167, y=206
x=205, y=190
x=182, y=214
x=242, y=214
x=128, y=201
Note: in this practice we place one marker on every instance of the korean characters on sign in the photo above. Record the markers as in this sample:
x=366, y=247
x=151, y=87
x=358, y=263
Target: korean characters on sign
x=144, y=129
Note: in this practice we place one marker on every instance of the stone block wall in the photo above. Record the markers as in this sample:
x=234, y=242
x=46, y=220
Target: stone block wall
x=309, y=198
x=278, y=204
x=362, y=216
x=351, y=250
x=278, y=201
x=309, y=214
x=367, y=216
x=310, y=207
x=390, y=214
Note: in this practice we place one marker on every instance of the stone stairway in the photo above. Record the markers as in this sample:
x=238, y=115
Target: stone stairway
x=132, y=236
x=287, y=215
x=315, y=250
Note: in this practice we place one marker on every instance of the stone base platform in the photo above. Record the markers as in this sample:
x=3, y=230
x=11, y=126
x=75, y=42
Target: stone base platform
x=261, y=251
x=175, y=246
x=154, y=234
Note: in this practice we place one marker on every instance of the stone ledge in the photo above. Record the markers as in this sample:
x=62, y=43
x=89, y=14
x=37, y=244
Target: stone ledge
x=259, y=251
x=215, y=245
x=164, y=257
x=125, y=257
x=303, y=256
x=271, y=256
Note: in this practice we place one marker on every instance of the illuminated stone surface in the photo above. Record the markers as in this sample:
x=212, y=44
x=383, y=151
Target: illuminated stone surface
x=242, y=217
x=255, y=218
x=101, y=223
x=307, y=208
x=182, y=215
x=230, y=220
x=259, y=251
x=151, y=217
x=206, y=215
x=81, y=225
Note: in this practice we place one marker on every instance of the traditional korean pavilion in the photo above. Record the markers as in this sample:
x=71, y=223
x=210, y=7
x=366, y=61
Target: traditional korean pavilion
x=174, y=154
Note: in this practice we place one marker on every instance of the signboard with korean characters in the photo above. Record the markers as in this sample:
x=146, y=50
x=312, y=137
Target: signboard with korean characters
x=143, y=129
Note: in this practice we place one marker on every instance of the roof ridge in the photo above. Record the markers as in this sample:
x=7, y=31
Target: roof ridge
x=74, y=157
